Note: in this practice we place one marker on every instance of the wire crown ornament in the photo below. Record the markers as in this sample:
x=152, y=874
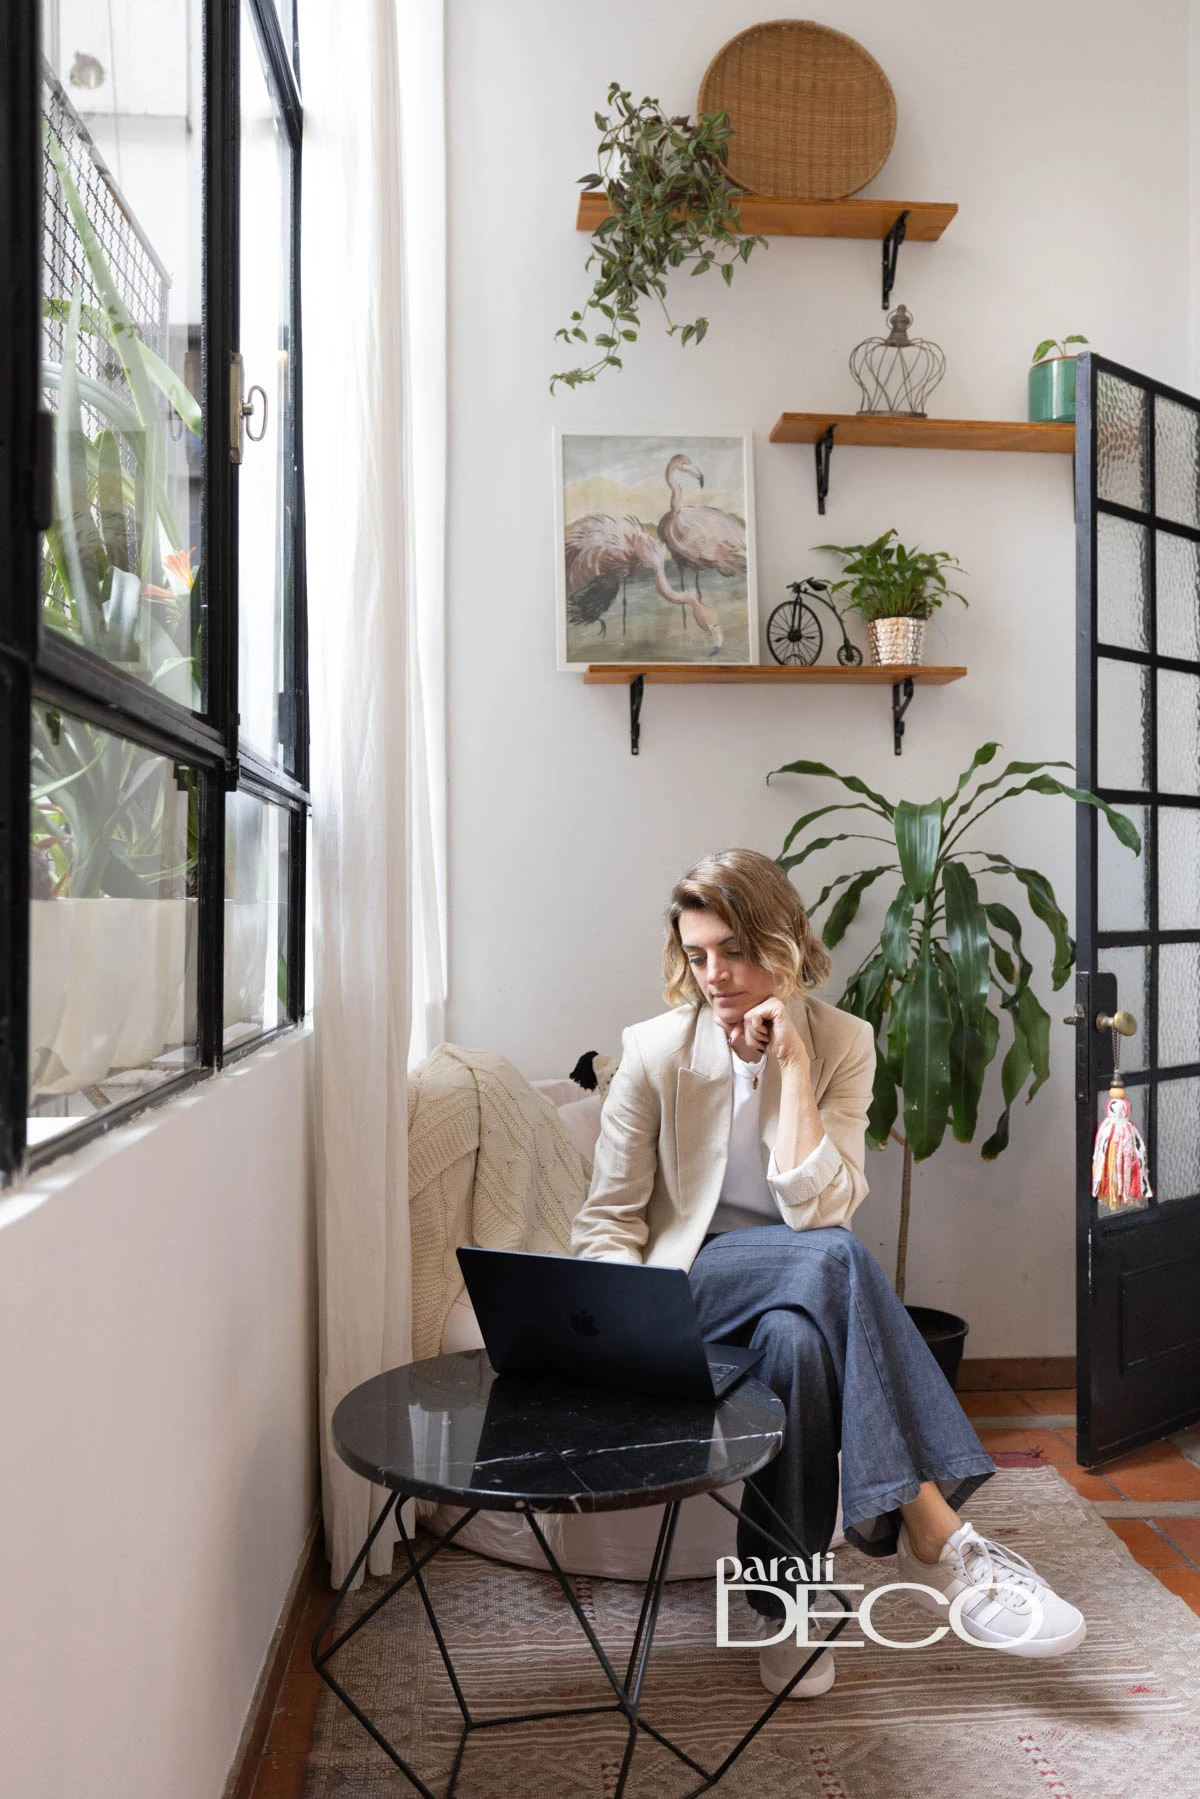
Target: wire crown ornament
x=896, y=374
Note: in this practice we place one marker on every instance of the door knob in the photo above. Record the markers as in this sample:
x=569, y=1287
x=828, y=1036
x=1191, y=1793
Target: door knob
x=1124, y=1023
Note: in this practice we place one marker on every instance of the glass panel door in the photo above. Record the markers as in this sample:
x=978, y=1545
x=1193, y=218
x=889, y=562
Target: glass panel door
x=1138, y=922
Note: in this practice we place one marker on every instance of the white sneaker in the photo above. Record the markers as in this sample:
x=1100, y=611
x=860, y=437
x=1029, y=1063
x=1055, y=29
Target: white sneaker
x=998, y=1615
x=779, y=1662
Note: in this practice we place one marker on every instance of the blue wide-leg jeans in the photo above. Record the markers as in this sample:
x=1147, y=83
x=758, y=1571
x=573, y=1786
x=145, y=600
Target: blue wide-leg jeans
x=853, y=1373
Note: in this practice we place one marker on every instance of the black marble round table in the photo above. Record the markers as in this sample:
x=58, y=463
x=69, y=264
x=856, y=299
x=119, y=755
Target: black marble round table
x=451, y=1429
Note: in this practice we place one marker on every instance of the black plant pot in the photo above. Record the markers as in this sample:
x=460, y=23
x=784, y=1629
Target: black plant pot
x=945, y=1333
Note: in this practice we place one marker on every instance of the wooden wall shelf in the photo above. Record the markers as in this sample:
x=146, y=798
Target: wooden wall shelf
x=885, y=430
x=768, y=217
x=902, y=678
x=888, y=222
x=923, y=434
x=768, y=674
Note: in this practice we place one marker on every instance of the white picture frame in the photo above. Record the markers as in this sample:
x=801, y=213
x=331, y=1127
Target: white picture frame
x=621, y=594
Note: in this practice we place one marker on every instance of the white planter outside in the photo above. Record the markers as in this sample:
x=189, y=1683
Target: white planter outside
x=250, y=939
x=95, y=977
x=157, y=1004
x=113, y=982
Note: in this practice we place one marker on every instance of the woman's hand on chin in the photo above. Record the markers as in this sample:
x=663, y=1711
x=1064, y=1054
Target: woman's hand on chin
x=768, y=1026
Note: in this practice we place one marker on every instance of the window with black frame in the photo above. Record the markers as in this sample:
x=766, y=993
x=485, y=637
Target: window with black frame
x=152, y=637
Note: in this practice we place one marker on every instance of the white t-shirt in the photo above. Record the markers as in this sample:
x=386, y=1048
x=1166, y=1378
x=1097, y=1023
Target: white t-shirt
x=746, y=1198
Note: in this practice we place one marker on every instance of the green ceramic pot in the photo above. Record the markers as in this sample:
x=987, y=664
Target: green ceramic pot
x=1052, y=390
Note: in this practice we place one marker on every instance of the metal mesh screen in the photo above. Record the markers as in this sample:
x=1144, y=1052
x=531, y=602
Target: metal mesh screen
x=139, y=275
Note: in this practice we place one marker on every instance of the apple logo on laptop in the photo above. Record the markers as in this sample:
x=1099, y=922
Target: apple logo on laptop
x=583, y=1324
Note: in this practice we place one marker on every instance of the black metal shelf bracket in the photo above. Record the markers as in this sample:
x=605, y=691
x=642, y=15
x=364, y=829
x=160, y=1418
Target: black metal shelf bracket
x=899, y=708
x=823, y=451
x=637, y=688
x=891, y=254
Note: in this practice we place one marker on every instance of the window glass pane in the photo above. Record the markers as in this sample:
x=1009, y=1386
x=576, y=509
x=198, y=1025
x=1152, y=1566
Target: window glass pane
x=265, y=480
x=122, y=259
x=1122, y=587
x=1178, y=868
x=112, y=965
x=1122, y=879
x=1122, y=437
x=1176, y=469
x=256, y=917
x=1122, y=724
x=1131, y=965
x=1178, y=732
x=1178, y=597
x=1178, y=1159
x=1178, y=1004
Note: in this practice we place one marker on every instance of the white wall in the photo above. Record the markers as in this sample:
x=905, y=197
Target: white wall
x=158, y=1467
x=1061, y=132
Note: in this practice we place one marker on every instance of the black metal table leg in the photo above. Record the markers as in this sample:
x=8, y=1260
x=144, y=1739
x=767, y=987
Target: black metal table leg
x=627, y=1693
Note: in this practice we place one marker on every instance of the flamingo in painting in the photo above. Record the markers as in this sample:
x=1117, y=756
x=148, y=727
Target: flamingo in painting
x=602, y=552
x=700, y=536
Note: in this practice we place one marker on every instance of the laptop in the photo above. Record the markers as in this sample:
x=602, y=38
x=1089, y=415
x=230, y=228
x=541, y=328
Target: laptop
x=607, y=1324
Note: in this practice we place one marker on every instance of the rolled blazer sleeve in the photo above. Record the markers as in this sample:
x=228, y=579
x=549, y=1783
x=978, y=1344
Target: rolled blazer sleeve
x=611, y=1224
x=830, y=1184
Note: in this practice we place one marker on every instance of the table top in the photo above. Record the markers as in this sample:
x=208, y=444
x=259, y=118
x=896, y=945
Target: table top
x=451, y=1429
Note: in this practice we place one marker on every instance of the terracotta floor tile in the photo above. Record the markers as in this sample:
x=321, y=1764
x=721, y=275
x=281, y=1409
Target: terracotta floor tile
x=1048, y=1399
x=1047, y=1442
x=1088, y=1486
x=281, y=1777
x=1185, y=1582
x=992, y=1405
x=1150, y=1452
x=1184, y=1533
x=1145, y=1544
x=1155, y=1480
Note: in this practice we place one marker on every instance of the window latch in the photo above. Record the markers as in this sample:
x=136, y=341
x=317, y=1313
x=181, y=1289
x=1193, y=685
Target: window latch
x=241, y=409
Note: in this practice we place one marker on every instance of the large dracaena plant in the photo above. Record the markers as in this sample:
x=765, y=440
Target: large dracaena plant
x=945, y=953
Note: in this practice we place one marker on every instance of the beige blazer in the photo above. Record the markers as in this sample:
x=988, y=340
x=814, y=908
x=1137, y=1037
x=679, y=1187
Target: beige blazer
x=664, y=1134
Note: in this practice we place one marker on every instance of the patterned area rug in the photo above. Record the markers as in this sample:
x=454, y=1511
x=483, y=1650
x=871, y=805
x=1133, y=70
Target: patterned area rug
x=1119, y=1719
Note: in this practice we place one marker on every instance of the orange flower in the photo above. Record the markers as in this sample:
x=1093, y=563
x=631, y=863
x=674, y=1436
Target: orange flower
x=180, y=565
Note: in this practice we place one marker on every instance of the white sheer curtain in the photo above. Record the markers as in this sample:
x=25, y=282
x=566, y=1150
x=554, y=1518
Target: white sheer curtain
x=423, y=147
x=369, y=550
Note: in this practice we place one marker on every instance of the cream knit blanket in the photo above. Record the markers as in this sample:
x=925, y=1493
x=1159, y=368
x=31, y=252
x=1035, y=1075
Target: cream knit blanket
x=488, y=1163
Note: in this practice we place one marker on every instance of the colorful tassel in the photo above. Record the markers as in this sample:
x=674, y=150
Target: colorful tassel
x=1120, y=1175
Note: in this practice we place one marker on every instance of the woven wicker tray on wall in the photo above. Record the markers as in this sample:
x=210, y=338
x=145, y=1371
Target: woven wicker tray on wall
x=813, y=114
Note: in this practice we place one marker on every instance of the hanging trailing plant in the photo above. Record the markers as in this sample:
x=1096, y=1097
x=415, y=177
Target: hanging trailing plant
x=671, y=203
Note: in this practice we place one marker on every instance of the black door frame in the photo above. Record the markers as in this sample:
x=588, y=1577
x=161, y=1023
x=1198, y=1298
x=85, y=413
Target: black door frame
x=1128, y=1392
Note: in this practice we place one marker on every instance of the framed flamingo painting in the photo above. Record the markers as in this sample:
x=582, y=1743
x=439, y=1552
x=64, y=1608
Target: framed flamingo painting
x=655, y=553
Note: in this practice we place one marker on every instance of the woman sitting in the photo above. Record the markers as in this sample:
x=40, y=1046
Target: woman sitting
x=732, y=1144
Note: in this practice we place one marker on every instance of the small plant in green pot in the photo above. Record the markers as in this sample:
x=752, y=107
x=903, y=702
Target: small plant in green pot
x=1052, y=381
x=671, y=204
x=948, y=972
x=896, y=591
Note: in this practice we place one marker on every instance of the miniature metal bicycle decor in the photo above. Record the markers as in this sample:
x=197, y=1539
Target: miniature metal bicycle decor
x=897, y=373
x=794, y=634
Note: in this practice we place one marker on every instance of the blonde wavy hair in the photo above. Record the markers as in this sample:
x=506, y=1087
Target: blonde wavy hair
x=754, y=897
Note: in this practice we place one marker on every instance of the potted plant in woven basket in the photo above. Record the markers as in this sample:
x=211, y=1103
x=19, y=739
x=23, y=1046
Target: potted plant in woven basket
x=947, y=974
x=896, y=591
